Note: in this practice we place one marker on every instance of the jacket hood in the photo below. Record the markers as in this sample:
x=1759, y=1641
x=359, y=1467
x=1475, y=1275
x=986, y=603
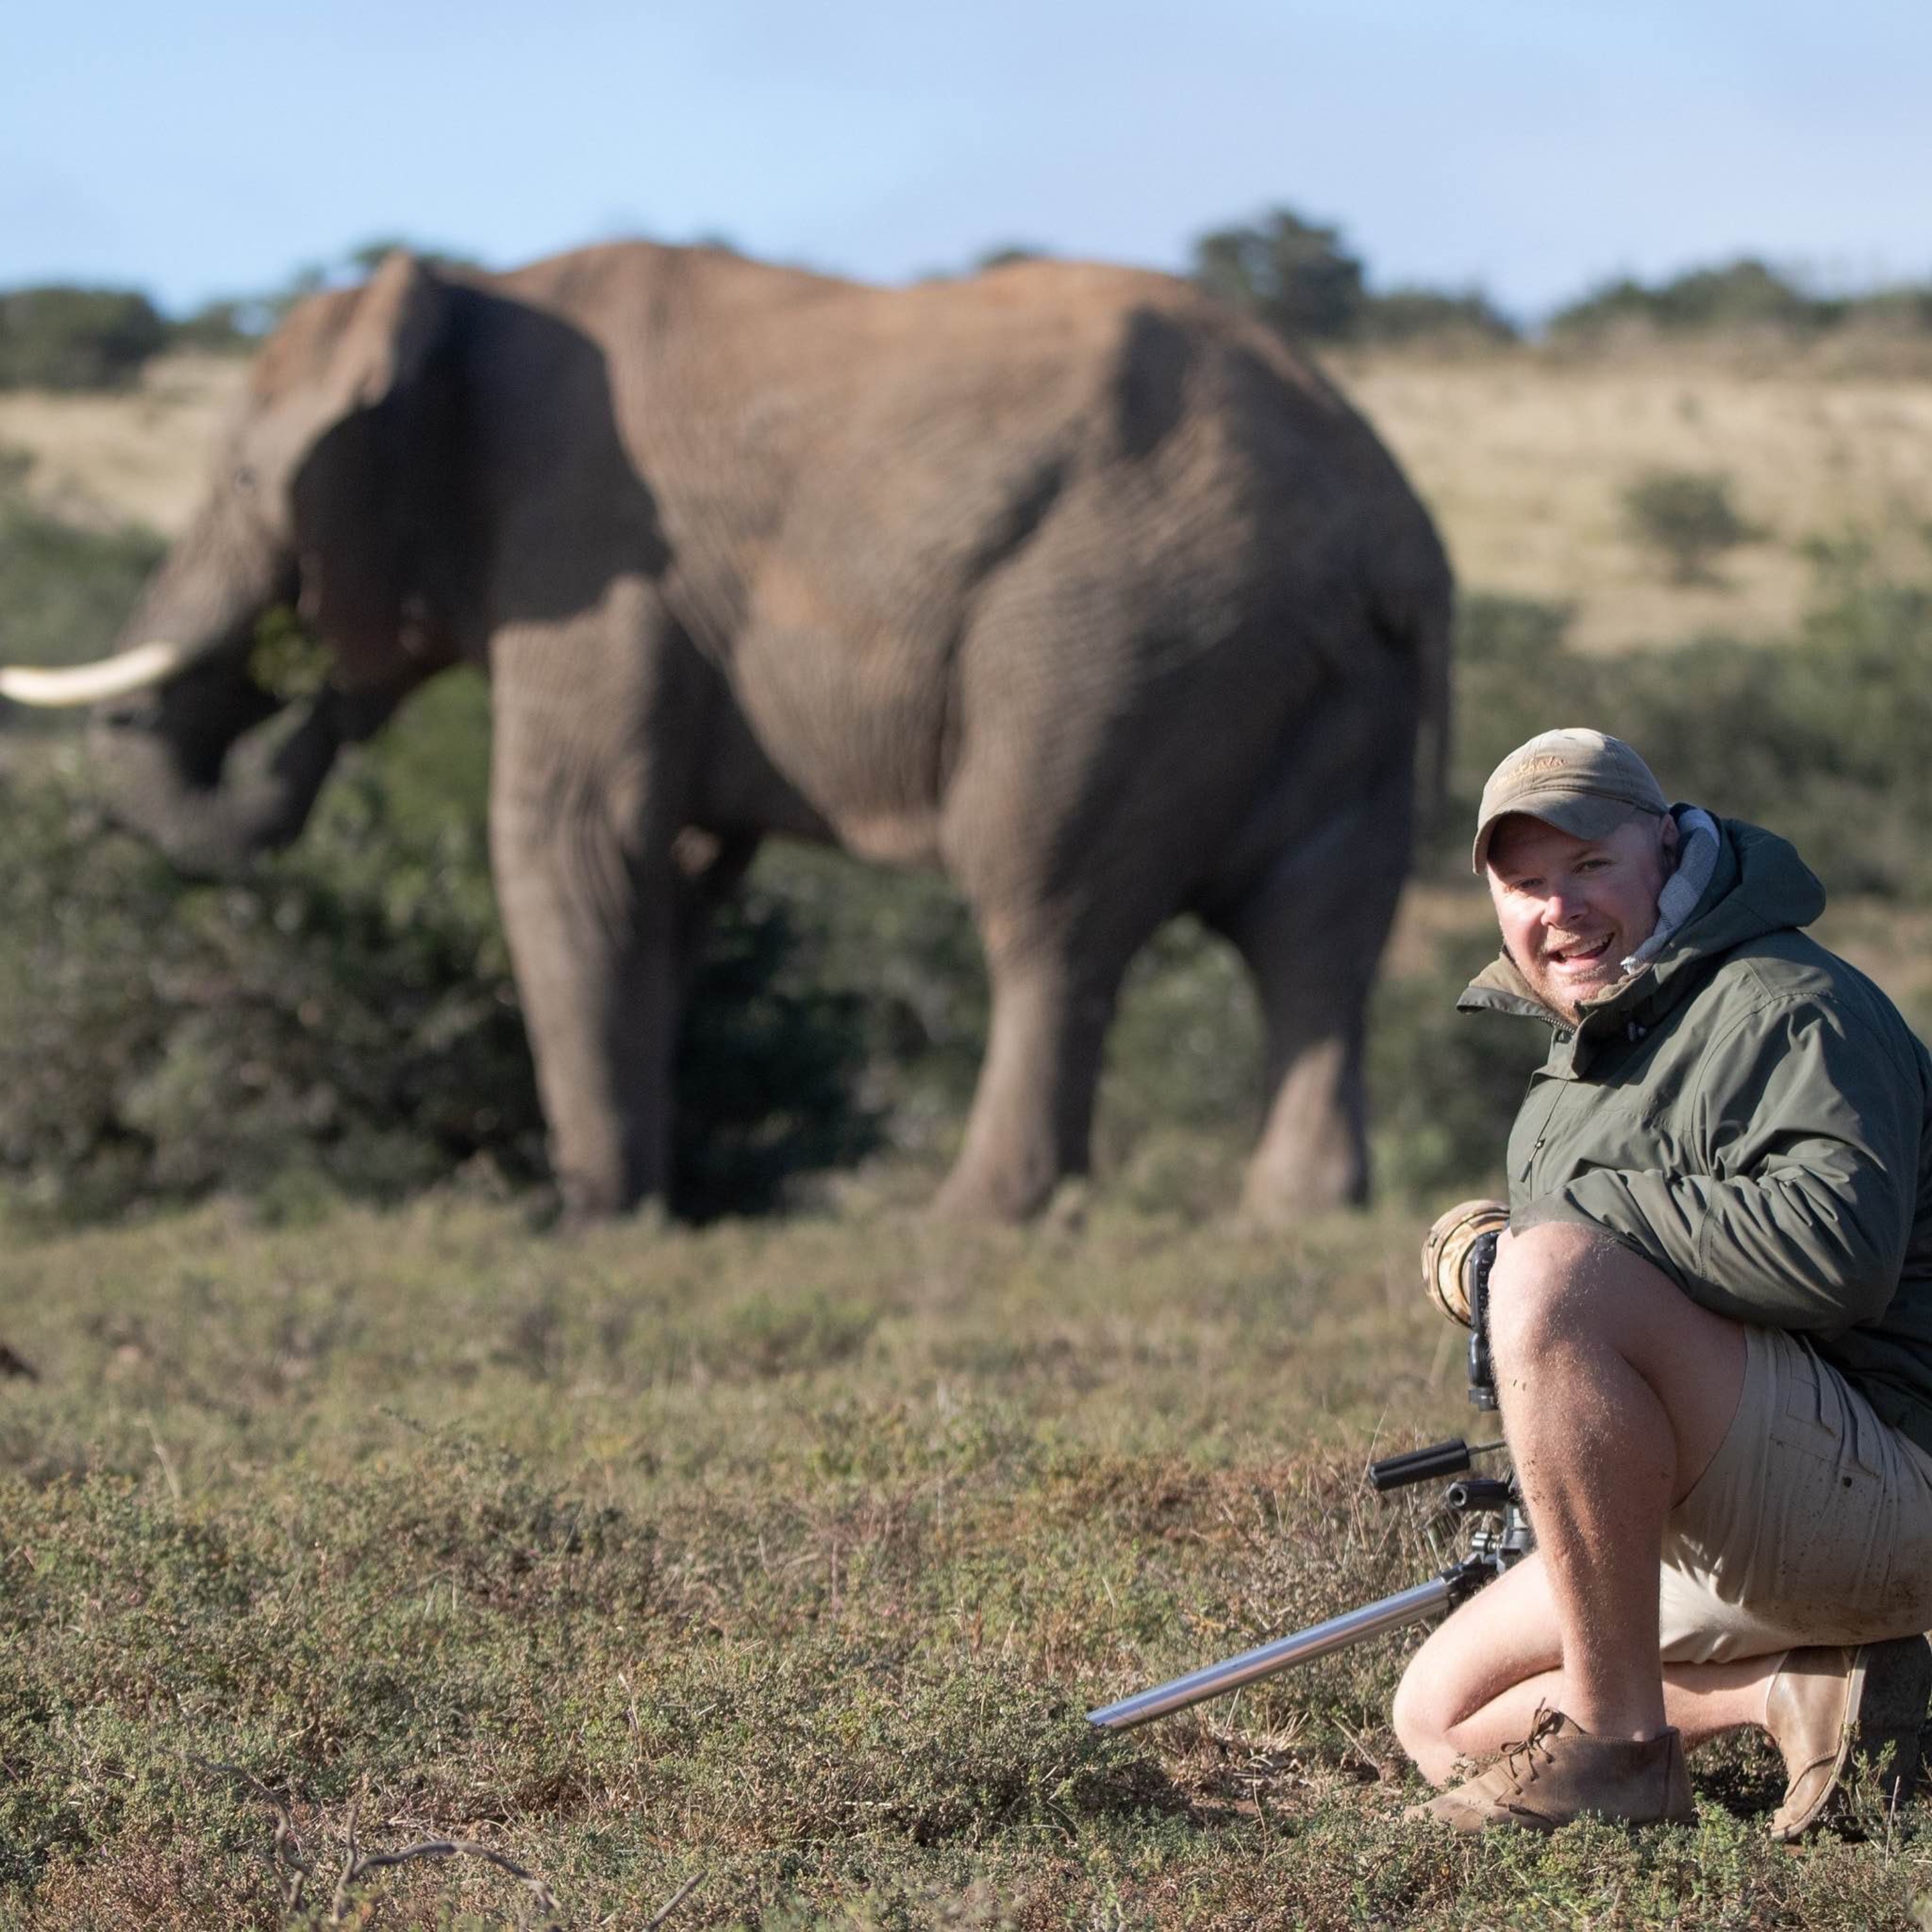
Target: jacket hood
x=1759, y=886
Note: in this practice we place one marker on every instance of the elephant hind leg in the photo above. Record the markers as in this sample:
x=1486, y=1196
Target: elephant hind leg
x=1033, y=1111
x=1311, y=931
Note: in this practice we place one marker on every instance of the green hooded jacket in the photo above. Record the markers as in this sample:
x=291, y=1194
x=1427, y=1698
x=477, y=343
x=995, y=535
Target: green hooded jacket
x=1752, y=1115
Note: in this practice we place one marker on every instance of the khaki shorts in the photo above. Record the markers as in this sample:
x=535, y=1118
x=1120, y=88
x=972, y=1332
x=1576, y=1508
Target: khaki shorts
x=1813, y=1524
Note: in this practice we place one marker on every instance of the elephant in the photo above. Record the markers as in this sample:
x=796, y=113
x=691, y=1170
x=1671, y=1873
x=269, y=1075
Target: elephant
x=1063, y=578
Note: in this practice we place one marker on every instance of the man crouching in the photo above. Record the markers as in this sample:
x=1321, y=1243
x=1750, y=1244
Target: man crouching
x=1711, y=1321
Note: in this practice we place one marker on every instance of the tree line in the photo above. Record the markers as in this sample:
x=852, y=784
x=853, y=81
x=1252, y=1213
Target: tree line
x=1300, y=276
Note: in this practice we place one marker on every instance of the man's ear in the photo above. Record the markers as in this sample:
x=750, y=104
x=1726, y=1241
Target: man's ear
x=1667, y=837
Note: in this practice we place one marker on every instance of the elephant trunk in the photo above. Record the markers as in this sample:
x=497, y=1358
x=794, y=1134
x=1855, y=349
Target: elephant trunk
x=199, y=768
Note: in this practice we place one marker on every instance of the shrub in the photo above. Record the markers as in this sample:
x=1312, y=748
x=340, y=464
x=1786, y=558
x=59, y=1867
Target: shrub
x=1433, y=316
x=1744, y=294
x=233, y=327
x=71, y=338
x=348, y=1015
x=1444, y=1086
x=65, y=589
x=1687, y=517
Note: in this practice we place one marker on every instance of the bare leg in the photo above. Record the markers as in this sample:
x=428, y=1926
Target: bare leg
x=1475, y=1686
x=1604, y=1365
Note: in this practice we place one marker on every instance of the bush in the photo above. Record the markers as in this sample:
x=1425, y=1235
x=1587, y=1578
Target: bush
x=1740, y=295
x=70, y=338
x=347, y=1017
x=225, y=327
x=1444, y=1086
x=64, y=590
x=1413, y=315
x=1686, y=517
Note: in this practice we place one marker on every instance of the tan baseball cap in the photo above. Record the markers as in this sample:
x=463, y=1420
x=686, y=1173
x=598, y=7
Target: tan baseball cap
x=1579, y=780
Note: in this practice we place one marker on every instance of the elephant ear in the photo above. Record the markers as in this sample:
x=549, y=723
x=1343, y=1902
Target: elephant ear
x=393, y=332
x=366, y=496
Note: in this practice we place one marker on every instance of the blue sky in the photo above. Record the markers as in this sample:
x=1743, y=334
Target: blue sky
x=1533, y=146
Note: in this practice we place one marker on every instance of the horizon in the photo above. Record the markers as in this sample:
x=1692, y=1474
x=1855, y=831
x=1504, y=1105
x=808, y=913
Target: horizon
x=1533, y=156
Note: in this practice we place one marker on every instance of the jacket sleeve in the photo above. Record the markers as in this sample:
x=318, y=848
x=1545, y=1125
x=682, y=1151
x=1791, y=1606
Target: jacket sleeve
x=1811, y=1128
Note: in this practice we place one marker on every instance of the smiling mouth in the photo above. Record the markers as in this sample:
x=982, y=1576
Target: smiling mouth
x=1581, y=955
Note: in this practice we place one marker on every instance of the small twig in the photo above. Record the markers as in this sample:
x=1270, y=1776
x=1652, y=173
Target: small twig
x=294, y=1870
x=162, y=1457
x=676, y=1899
x=1385, y=1773
x=449, y=1848
x=350, y=1858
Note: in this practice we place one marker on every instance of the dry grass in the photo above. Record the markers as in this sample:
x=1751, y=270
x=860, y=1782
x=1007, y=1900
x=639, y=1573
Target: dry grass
x=1524, y=460
x=780, y=1559
x=142, y=457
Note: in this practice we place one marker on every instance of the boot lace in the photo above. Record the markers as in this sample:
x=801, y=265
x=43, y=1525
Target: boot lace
x=1523, y=1759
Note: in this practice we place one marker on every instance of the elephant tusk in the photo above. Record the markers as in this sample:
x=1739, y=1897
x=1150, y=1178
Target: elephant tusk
x=132, y=670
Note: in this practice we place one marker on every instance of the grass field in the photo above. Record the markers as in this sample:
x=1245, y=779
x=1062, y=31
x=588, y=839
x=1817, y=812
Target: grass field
x=779, y=1559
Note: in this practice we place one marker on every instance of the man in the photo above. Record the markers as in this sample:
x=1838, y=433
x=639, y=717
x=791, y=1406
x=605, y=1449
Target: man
x=1712, y=1322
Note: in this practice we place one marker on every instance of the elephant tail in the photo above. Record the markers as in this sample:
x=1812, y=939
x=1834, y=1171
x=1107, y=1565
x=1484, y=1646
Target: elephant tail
x=1434, y=646
x=1420, y=622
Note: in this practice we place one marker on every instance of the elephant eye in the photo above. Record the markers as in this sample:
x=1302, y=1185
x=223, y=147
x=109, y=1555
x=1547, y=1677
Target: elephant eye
x=244, y=479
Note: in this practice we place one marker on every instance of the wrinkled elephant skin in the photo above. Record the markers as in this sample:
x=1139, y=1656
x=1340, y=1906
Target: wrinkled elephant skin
x=1062, y=578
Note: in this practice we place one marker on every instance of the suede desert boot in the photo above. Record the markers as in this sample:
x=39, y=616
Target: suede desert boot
x=1830, y=1706
x=1560, y=1773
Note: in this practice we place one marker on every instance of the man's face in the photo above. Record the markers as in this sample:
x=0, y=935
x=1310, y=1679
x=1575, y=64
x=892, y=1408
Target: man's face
x=1571, y=909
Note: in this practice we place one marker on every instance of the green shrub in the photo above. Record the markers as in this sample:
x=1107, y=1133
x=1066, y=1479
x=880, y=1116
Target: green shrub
x=234, y=327
x=1687, y=517
x=65, y=589
x=1444, y=1086
x=1434, y=316
x=346, y=1017
x=71, y=338
x=1743, y=294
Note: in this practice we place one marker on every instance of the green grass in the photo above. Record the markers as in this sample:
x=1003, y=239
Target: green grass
x=784, y=1556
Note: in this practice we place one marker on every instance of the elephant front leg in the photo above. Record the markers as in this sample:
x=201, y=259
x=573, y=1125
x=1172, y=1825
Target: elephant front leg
x=593, y=942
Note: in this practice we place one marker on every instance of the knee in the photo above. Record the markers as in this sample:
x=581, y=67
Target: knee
x=1421, y=1720
x=1544, y=1288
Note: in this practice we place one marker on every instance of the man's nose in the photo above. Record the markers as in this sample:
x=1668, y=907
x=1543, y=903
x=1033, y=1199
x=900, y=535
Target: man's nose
x=1563, y=905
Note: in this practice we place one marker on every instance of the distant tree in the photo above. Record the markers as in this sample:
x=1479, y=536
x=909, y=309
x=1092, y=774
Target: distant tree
x=1295, y=276
x=1744, y=294
x=1006, y=255
x=1419, y=314
x=1686, y=517
x=231, y=325
x=368, y=256
x=61, y=337
x=1904, y=309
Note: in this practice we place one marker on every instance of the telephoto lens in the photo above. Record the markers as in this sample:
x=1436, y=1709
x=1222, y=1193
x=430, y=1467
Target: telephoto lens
x=1447, y=1250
